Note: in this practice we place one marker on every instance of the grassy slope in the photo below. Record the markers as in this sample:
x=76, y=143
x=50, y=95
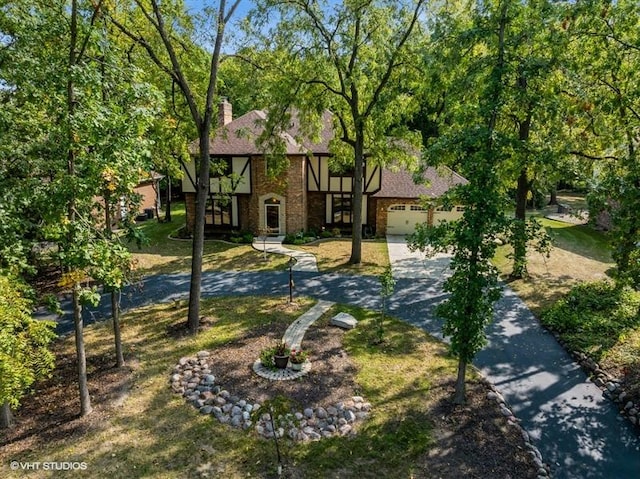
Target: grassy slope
x=580, y=253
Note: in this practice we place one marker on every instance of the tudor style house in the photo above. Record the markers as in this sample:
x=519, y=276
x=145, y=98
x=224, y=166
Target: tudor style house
x=308, y=195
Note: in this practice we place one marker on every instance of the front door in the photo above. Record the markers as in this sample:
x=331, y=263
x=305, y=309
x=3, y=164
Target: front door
x=272, y=215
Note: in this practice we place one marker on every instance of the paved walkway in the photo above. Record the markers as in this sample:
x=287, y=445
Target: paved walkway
x=579, y=433
x=295, y=332
x=273, y=244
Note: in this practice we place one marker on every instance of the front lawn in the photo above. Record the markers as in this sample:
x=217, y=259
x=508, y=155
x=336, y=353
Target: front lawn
x=165, y=255
x=333, y=256
x=141, y=428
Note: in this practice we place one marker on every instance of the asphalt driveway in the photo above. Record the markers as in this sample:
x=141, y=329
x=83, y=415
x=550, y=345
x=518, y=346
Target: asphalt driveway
x=579, y=433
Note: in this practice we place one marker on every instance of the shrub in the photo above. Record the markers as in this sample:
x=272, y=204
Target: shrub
x=592, y=317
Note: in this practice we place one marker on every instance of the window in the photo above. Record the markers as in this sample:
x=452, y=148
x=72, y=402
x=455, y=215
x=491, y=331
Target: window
x=418, y=208
x=218, y=211
x=396, y=208
x=459, y=208
x=341, y=209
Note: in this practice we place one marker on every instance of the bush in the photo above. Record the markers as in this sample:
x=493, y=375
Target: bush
x=245, y=237
x=592, y=317
x=289, y=239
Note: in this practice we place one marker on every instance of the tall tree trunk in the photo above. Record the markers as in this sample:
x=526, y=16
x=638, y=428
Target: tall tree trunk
x=202, y=195
x=115, y=314
x=167, y=205
x=115, y=293
x=519, y=231
x=6, y=417
x=83, y=384
x=356, y=238
x=85, y=399
x=459, y=397
x=553, y=194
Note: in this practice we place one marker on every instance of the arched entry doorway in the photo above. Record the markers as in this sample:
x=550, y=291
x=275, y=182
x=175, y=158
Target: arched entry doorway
x=272, y=214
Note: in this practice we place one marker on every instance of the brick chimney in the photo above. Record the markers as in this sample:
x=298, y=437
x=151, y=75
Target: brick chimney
x=225, y=112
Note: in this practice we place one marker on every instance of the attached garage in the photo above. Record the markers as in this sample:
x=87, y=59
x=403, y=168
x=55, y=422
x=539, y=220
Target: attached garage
x=398, y=206
x=402, y=218
x=447, y=214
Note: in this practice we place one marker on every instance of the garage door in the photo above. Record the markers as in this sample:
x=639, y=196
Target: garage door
x=402, y=219
x=441, y=214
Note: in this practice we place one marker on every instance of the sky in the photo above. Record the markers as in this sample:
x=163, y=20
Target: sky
x=198, y=5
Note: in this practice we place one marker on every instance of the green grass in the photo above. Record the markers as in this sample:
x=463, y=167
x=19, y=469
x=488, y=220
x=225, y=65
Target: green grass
x=333, y=256
x=155, y=434
x=579, y=253
x=165, y=255
x=580, y=239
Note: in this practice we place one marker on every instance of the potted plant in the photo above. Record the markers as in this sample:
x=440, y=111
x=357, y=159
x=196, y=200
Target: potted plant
x=297, y=358
x=266, y=357
x=281, y=355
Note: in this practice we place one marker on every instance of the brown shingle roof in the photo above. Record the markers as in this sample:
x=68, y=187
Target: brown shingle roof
x=400, y=184
x=238, y=137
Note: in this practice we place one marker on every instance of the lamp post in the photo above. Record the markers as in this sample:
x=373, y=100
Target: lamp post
x=292, y=261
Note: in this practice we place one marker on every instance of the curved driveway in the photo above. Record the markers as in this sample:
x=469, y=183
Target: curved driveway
x=579, y=433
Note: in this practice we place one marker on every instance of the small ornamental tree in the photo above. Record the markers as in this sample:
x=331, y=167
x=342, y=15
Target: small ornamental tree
x=24, y=354
x=387, y=285
x=471, y=138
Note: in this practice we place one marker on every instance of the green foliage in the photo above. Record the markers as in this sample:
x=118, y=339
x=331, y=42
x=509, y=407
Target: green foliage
x=387, y=286
x=245, y=237
x=267, y=354
x=522, y=233
x=593, y=317
x=298, y=356
x=355, y=62
x=24, y=341
x=266, y=357
x=298, y=238
x=605, y=119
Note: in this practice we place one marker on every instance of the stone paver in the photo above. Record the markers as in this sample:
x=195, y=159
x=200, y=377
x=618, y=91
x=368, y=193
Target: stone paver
x=295, y=332
x=304, y=261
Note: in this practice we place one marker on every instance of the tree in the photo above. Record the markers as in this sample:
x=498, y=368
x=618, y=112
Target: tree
x=174, y=67
x=472, y=139
x=59, y=74
x=352, y=60
x=24, y=354
x=606, y=119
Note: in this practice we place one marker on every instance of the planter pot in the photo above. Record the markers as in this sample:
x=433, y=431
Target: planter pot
x=281, y=361
x=296, y=366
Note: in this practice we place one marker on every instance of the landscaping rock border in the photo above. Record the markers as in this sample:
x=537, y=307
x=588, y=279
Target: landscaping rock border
x=192, y=378
x=612, y=387
x=544, y=472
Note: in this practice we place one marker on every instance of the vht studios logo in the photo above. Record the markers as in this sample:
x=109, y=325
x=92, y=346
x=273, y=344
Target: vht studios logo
x=48, y=466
